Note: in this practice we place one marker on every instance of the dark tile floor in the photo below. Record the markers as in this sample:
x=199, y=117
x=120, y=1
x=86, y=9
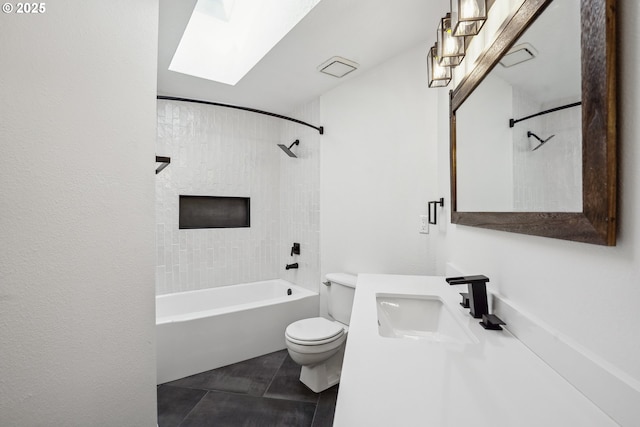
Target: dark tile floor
x=262, y=392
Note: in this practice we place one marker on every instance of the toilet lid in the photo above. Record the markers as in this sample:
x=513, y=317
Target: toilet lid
x=315, y=329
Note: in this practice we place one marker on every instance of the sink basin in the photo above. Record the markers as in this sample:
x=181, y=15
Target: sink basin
x=419, y=317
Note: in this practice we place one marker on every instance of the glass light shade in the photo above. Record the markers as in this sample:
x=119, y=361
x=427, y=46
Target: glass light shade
x=467, y=16
x=438, y=75
x=450, y=49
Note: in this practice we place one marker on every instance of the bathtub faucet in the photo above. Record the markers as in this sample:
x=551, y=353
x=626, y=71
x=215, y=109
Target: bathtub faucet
x=290, y=266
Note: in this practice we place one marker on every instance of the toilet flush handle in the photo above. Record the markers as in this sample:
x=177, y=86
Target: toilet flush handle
x=327, y=283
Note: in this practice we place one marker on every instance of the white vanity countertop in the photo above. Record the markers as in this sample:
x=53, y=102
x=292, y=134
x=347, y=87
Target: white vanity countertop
x=494, y=382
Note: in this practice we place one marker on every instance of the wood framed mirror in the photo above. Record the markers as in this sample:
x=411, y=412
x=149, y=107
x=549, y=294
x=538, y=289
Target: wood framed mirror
x=592, y=217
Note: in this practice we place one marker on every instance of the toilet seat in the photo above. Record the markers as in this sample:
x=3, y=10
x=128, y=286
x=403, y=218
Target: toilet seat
x=314, y=331
x=311, y=351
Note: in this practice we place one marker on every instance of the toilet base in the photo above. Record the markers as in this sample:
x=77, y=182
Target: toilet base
x=323, y=375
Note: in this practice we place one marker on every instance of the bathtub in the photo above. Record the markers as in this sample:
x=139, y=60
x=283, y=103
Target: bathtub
x=201, y=330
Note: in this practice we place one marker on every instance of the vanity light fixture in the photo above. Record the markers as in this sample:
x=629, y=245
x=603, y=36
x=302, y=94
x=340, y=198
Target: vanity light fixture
x=463, y=22
x=437, y=75
x=468, y=16
x=451, y=49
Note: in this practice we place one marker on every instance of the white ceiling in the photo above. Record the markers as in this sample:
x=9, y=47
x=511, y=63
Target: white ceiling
x=365, y=31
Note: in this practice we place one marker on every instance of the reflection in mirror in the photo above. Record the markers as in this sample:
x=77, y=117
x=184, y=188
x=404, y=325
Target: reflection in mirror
x=533, y=164
x=529, y=161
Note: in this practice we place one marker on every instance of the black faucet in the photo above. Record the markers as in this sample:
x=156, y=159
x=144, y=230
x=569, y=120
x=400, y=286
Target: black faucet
x=476, y=298
x=295, y=249
x=290, y=266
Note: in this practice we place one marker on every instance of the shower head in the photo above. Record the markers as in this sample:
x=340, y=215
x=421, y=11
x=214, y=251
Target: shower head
x=542, y=141
x=288, y=149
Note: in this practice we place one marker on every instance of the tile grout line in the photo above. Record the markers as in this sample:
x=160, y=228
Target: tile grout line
x=315, y=412
x=284, y=398
x=274, y=375
x=313, y=420
x=194, y=407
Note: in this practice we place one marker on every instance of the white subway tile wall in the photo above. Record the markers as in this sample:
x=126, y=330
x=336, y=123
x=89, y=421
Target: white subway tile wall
x=217, y=151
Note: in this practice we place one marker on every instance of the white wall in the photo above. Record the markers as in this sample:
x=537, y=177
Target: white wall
x=379, y=170
x=484, y=149
x=76, y=215
x=586, y=293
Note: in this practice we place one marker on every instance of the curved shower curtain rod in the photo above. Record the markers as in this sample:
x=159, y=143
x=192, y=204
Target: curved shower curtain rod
x=512, y=122
x=320, y=129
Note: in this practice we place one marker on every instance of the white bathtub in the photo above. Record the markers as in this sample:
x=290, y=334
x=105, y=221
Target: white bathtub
x=201, y=330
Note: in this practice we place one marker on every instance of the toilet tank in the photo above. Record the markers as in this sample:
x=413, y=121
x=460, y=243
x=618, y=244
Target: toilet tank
x=342, y=288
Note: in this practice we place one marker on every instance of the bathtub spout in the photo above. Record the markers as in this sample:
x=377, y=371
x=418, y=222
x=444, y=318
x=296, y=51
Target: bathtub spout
x=290, y=266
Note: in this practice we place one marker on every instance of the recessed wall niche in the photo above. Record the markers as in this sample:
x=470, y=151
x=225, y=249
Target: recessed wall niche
x=214, y=212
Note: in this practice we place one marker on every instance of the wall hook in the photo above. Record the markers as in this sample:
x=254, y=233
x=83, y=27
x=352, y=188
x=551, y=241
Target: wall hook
x=433, y=219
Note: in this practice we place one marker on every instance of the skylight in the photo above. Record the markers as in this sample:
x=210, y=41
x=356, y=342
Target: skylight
x=224, y=39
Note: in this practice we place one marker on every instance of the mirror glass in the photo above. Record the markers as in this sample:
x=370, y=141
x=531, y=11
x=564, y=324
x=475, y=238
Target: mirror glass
x=530, y=164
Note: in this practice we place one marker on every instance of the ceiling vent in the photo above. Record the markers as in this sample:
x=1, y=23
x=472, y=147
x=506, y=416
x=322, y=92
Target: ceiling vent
x=337, y=67
x=518, y=54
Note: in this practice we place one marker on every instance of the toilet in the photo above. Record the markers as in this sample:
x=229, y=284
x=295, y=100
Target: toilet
x=317, y=344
